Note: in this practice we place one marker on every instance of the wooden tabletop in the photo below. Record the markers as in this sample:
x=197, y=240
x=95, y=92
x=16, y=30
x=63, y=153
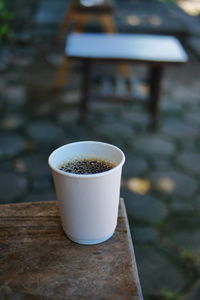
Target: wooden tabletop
x=126, y=47
x=39, y=262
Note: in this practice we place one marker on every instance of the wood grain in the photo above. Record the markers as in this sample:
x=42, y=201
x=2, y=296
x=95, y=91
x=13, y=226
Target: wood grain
x=38, y=261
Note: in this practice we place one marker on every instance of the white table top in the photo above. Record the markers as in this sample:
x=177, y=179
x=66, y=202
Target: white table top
x=138, y=47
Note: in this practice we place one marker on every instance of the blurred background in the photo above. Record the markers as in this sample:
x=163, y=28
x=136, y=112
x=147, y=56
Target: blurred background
x=161, y=177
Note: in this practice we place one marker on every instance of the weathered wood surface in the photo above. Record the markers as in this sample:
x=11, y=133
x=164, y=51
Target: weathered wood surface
x=39, y=262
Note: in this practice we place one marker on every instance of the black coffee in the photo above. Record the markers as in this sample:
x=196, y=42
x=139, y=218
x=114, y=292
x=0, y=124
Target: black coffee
x=87, y=166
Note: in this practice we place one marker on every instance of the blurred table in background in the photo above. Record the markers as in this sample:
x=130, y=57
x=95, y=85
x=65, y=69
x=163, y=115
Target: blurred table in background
x=155, y=51
x=80, y=13
x=84, y=11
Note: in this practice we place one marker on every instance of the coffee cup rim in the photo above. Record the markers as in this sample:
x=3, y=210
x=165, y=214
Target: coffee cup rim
x=86, y=176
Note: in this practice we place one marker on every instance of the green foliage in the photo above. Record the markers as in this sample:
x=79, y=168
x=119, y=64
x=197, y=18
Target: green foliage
x=188, y=255
x=5, y=17
x=168, y=295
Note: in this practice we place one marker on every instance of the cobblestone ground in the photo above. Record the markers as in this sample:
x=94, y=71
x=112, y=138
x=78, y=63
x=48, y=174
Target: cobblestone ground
x=161, y=177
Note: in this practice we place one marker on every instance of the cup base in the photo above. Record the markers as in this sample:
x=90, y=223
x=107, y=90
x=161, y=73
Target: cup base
x=90, y=242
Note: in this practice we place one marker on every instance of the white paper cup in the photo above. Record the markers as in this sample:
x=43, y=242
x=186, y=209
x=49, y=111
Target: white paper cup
x=88, y=203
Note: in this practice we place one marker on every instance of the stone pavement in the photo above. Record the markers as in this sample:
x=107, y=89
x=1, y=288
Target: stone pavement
x=161, y=177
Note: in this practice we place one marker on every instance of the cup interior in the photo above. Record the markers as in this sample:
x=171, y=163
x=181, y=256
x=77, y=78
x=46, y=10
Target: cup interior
x=86, y=149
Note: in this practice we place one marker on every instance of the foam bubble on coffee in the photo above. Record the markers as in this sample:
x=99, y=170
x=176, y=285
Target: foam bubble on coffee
x=90, y=165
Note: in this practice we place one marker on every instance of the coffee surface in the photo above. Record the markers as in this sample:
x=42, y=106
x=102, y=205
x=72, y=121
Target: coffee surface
x=87, y=166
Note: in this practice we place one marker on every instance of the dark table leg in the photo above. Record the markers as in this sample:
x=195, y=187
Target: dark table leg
x=156, y=74
x=85, y=89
